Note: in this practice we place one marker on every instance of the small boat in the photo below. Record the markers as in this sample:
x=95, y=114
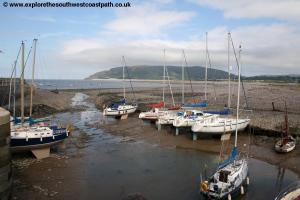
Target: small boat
x=229, y=180
x=232, y=174
x=36, y=137
x=189, y=118
x=217, y=125
x=287, y=143
x=292, y=192
x=121, y=108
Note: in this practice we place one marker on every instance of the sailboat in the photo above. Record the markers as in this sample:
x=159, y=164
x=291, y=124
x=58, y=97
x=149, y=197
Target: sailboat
x=121, y=108
x=33, y=137
x=216, y=124
x=287, y=143
x=232, y=173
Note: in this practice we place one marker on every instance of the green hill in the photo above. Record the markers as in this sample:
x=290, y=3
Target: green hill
x=156, y=73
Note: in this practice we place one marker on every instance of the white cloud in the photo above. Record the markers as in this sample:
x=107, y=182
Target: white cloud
x=269, y=49
x=277, y=9
x=146, y=20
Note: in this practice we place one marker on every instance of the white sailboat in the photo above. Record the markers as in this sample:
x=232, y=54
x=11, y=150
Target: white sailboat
x=232, y=174
x=120, y=108
x=216, y=124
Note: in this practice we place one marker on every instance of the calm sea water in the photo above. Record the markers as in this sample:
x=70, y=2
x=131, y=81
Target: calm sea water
x=91, y=84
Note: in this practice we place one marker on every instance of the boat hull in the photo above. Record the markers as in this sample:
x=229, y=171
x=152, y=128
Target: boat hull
x=285, y=148
x=220, y=128
x=120, y=111
x=23, y=144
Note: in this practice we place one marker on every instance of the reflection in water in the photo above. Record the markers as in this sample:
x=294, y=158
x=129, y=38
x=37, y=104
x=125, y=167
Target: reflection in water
x=114, y=167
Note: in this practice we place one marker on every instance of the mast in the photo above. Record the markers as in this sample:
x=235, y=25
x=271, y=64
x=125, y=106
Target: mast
x=123, y=59
x=22, y=83
x=238, y=96
x=10, y=85
x=182, y=77
x=228, y=65
x=32, y=80
x=15, y=76
x=286, y=120
x=205, y=90
x=164, y=76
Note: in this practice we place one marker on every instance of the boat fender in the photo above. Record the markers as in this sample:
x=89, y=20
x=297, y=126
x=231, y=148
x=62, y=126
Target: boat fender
x=248, y=180
x=242, y=190
x=204, y=186
x=229, y=197
x=41, y=138
x=53, y=137
x=26, y=138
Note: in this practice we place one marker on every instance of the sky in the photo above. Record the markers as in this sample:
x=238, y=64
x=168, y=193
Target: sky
x=74, y=43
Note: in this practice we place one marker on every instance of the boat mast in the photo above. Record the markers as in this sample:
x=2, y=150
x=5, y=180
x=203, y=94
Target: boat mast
x=123, y=59
x=228, y=65
x=32, y=80
x=182, y=77
x=238, y=96
x=164, y=76
x=206, y=51
x=286, y=120
x=22, y=84
x=15, y=76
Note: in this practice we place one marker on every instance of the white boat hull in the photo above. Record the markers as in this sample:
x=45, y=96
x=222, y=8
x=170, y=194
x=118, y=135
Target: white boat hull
x=122, y=110
x=285, y=148
x=151, y=115
x=219, y=126
x=167, y=118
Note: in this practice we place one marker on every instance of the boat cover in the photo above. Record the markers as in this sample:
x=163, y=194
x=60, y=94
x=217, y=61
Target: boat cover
x=230, y=158
x=156, y=105
x=226, y=111
x=197, y=105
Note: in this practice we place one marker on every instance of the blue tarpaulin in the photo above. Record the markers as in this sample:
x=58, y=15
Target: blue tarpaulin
x=226, y=111
x=196, y=105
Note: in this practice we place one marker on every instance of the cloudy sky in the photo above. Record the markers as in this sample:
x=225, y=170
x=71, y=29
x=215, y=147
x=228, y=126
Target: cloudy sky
x=77, y=42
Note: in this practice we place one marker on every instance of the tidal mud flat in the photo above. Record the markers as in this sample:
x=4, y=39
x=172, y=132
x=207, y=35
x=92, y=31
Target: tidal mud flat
x=122, y=159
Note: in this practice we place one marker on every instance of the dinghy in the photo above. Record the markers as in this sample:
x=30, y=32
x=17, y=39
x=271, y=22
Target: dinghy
x=287, y=143
x=232, y=174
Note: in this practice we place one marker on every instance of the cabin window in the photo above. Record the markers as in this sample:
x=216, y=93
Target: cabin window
x=199, y=114
x=223, y=177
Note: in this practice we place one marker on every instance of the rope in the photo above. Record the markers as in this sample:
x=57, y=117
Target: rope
x=130, y=81
x=187, y=70
x=237, y=62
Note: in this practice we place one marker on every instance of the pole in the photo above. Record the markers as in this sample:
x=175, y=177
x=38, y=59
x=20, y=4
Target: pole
x=228, y=65
x=164, y=76
x=22, y=83
x=182, y=77
x=238, y=97
x=206, y=66
x=15, y=76
x=123, y=58
x=32, y=80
